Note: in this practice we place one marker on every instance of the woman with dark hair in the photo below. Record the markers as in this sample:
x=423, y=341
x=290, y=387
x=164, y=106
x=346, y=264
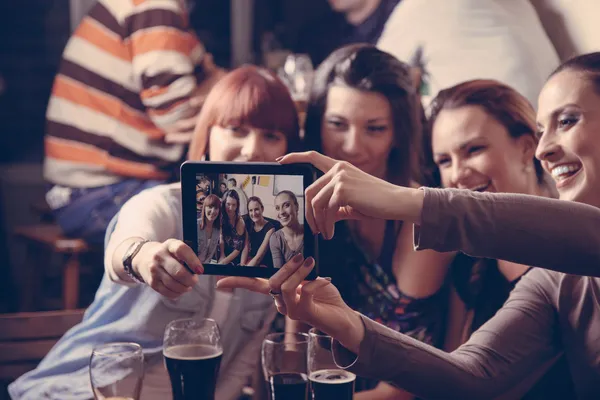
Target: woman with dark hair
x=364, y=110
x=550, y=312
x=233, y=234
x=289, y=240
x=248, y=116
x=259, y=235
x=209, y=229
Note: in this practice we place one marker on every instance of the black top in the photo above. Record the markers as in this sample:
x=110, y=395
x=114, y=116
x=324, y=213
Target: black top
x=332, y=31
x=256, y=239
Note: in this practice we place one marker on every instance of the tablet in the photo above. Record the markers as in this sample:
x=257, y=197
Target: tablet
x=246, y=219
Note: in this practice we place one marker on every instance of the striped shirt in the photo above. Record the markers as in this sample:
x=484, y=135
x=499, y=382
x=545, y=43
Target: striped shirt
x=126, y=77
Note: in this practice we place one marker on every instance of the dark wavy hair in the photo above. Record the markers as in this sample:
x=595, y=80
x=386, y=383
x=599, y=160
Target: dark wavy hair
x=364, y=67
x=501, y=102
x=227, y=228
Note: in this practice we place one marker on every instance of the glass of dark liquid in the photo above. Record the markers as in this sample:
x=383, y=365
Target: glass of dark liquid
x=192, y=350
x=327, y=380
x=117, y=371
x=284, y=365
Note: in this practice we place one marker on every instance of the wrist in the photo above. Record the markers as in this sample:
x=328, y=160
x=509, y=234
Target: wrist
x=351, y=331
x=408, y=203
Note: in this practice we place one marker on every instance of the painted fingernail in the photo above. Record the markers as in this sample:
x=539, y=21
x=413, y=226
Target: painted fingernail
x=309, y=262
x=297, y=258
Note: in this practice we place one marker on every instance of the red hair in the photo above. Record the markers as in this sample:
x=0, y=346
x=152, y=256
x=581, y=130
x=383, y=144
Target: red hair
x=247, y=95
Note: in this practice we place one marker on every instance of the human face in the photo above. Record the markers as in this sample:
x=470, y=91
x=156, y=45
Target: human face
x=474, y=151
x=357, y=127
x=245, y=143
x=200, y=196
x=223, y=187
x=287, y=212
x=255, y=210
x=231, y=206
x=211, y=212
x=569, y=125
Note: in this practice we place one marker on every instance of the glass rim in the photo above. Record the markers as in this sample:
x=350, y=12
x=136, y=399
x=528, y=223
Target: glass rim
x=172, y=324
x=314, y=332
x=270, y=337
x=135, y=348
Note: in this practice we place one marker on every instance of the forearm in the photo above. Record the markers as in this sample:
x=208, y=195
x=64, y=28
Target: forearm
x=230, y=257
x=552, y=234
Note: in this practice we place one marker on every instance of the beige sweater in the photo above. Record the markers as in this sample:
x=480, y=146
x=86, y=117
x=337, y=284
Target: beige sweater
x=548, y=312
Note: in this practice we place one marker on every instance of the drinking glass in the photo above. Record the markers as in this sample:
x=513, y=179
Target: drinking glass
x=297, y=74
x=327, y=380
x=284, y=365
x=192, y=351
x=117, y=371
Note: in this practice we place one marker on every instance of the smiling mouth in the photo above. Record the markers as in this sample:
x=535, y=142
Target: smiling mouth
x=565, y=171
x=481, y=187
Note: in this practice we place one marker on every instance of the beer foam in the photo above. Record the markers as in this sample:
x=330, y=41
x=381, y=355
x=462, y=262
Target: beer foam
x=192, y=352
x=332, y=376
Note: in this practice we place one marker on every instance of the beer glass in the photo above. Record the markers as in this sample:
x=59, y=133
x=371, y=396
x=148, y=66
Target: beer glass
x=117, y=371
x=284, y=365
x=327, y=380
x=192, y=350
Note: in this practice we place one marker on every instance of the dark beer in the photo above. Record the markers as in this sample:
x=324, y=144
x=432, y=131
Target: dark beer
x=332, y=384
x=288, y=386
x=193, y=370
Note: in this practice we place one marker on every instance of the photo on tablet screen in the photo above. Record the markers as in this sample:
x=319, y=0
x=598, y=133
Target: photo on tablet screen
x=249, y=220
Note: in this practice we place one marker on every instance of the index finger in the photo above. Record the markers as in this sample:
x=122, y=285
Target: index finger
x=318, y=160
x=258, y=285
x=185, y=254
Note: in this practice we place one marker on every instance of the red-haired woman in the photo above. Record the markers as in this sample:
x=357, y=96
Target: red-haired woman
x=248, y=116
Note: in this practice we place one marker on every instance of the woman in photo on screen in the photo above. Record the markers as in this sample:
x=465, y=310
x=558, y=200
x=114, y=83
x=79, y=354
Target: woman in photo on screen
x=259, y=235
x=553, y=310
x=209, y=229
x=249, y=116
x=233, y=235
x=289, y=240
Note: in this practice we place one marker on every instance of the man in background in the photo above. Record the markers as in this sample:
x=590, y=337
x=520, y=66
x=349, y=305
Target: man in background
x=122, y=110
x=349, y=21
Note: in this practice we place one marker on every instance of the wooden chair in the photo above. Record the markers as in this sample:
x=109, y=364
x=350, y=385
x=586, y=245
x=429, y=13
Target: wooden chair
x=43, y=241
x=25, y=338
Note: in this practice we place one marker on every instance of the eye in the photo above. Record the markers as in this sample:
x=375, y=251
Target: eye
x=236, y=130
x=567, y=121
x=442, y=162
x=376, y=129
x=475, y=149
x=336, y=124
x=272, y=136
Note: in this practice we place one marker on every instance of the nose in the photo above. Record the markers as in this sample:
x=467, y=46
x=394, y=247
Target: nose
x=252, y=149
x=352, y=141
x=548, y=149
x=460, y=172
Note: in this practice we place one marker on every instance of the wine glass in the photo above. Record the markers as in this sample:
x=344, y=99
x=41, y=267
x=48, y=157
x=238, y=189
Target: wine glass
x=117, y=371
x=297, y=74
x=284, y=365
x=192, y=351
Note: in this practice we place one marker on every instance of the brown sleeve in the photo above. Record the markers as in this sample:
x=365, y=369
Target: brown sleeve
x=559, y=235
x=520, y=338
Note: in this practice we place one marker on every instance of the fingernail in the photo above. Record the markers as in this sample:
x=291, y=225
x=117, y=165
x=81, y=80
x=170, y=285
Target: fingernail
x=327, y=278
x=297, y=258
x=309, y=262
x=279, y=158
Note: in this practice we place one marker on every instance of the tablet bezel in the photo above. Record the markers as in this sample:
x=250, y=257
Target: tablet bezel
x=191, y=169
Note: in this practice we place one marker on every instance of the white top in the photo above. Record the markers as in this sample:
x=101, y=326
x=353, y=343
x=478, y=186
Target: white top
x=460, y=40
x=156, y=214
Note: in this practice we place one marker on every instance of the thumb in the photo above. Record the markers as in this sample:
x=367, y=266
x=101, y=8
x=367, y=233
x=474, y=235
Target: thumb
x=349, y=213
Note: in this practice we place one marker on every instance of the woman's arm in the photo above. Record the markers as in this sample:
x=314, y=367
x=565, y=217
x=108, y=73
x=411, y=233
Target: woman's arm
x=262, y=250
x=245, y=252
x=274, y=244
x=519, y=339
x=553, y=234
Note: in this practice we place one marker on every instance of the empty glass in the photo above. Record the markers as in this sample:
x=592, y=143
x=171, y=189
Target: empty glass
x=117, y=371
